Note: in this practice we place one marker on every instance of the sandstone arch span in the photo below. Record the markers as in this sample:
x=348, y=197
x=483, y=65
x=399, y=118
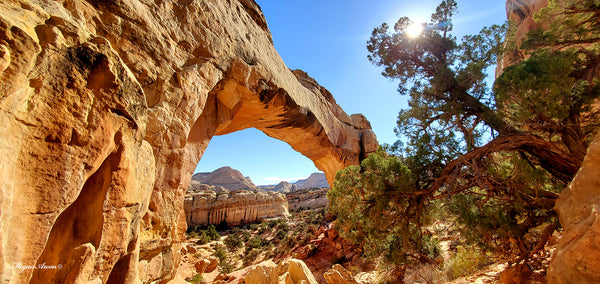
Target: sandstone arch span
x=105, y=109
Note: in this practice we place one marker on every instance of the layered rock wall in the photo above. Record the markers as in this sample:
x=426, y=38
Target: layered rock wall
x=106, y=107
x=234, y=208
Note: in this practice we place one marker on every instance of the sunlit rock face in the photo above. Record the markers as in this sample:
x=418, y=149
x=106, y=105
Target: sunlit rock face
x=520, y=13
x=577, y=257
x=107, y=107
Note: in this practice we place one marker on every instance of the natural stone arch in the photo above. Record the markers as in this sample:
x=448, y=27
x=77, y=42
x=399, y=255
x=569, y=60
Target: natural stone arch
x=246, y=100
x=107, y=107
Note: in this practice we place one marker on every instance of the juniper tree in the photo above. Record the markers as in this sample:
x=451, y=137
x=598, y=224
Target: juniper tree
x=497, y=156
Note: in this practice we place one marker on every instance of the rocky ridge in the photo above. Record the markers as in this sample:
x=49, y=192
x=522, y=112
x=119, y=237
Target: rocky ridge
x=315, y=180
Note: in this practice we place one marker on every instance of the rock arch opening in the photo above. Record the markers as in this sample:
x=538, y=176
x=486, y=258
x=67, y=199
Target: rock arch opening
x=265, y=160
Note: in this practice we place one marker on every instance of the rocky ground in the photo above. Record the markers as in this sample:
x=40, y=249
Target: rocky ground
x=308, y=241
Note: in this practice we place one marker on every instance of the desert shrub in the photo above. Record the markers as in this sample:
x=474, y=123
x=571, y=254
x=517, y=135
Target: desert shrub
x=220, y=253
x=280, y=234
x=233, y=241
x=212, y=233
x=203, y=238
x=263, y=228
x=283, y=226
x=197, y=279
x=466, y=261
x=256, y=242
x=250, y=256
x=226, y=267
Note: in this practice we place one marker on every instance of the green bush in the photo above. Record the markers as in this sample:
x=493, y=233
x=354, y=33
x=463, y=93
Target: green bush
x=203, y=238
x=233, y=241
x=466, y=261
x=212, y=233
x=220, y=253
x=226, y=267
x=197, y=279
x=280, y=234
x=256, y=242
x=250, y=256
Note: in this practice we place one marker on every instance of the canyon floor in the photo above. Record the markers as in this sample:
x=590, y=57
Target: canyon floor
x=309, y=235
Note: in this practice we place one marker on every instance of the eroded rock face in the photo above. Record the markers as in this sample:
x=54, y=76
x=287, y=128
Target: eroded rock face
x=107, y=107
x=520, y=13
x=577, y=257
x=203, y=208
x=307, y=199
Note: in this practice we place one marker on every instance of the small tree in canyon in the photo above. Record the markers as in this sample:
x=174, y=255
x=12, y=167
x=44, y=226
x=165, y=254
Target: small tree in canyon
x=496, y=158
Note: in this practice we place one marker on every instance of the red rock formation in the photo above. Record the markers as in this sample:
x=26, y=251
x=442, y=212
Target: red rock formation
x=106, y=107
x=577, y=257
x=520, y=13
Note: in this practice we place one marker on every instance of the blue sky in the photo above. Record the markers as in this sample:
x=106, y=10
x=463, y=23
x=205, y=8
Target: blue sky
x=327, y=39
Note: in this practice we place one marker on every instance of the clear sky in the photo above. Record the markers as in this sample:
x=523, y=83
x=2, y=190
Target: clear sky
x=327, y=39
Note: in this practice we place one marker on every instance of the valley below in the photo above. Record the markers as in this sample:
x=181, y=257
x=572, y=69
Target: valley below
x=295, y=228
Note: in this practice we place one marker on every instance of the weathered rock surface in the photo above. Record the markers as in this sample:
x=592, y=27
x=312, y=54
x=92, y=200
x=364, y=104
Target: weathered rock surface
x=307, y=199
x=323, y=251
x=520, y=13
x=283, y=187
x=577, y=257
x=203, y=208
x=106, y=107
x=291, y=271
x=339, y=275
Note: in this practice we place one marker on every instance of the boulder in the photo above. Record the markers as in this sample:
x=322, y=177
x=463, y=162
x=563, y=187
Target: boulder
x=291, y=271
x=212, y=265
x=202, y=265
x=339, y=275
x=577, y=256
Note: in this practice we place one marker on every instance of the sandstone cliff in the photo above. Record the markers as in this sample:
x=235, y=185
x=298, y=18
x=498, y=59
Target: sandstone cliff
x=106, y=109
x=203, y=208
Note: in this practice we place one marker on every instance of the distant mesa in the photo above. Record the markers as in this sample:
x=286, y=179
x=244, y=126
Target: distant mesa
x=315, y=180
x=225, y=177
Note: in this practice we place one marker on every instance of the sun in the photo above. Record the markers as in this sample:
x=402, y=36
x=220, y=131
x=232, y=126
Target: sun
x=414, y=30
